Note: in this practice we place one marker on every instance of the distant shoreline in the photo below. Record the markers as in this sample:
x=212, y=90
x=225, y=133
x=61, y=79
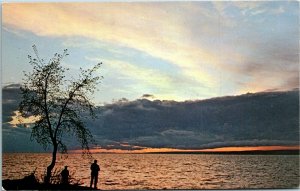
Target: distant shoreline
x=272, y=152
x=258, y=152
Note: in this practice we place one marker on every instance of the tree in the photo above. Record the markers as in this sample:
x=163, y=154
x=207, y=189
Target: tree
x=58, y=103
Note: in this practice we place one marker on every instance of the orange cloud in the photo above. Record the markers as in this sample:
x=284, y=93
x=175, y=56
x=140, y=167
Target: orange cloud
x=17, y=119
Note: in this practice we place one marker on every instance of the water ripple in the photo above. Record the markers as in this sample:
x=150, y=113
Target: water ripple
x=158, y=171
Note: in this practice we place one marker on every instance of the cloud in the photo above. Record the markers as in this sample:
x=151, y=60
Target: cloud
x=18, y=120
x=249, y=143
x=135, y=25
x=173, y=132
x=133, y=72
x=267, y=118
x=140, y=79
x=148, y=96
x=252, y=8
x=203, y=44
x=10, y=100
x=18, y=140
x=274, y=68
x=14, y=139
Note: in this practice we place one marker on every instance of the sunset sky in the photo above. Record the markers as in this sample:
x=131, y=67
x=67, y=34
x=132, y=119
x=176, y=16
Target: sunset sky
x=176, y=51
x=171, y=50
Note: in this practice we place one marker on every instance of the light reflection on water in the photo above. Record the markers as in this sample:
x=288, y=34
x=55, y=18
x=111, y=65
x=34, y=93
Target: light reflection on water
x=167, y=171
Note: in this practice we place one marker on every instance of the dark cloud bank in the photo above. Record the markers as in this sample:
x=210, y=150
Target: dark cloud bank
x=268, y=118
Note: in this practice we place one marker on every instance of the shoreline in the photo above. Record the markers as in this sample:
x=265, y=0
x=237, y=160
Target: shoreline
x=29, y=184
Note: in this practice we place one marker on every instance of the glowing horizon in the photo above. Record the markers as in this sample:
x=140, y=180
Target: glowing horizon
x=167, y=150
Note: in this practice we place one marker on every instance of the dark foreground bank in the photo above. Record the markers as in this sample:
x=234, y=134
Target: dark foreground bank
x=30, y=183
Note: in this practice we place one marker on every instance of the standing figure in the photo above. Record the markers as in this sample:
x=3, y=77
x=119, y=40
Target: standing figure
x=65, y=176
x=94, y=174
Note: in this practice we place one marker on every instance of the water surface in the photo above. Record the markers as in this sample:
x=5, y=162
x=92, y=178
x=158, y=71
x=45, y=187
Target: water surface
x=167, y=171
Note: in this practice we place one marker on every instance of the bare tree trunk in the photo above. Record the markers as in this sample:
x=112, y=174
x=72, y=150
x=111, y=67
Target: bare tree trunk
x=51, y=166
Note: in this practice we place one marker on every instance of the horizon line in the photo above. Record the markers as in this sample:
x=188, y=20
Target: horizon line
x=149, y=150
x=175, y=150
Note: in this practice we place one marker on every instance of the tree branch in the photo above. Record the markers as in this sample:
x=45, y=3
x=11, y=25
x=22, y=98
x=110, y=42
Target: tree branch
x=53, y=138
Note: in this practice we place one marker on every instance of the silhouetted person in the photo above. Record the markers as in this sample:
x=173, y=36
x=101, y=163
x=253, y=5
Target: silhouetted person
x=94, y=174
x=65, y=176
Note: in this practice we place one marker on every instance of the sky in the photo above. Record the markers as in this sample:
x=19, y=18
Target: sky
x=169, y=50
x=178, y=51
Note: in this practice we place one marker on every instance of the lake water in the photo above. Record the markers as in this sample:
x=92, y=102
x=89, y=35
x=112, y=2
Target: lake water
x=167, y=171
